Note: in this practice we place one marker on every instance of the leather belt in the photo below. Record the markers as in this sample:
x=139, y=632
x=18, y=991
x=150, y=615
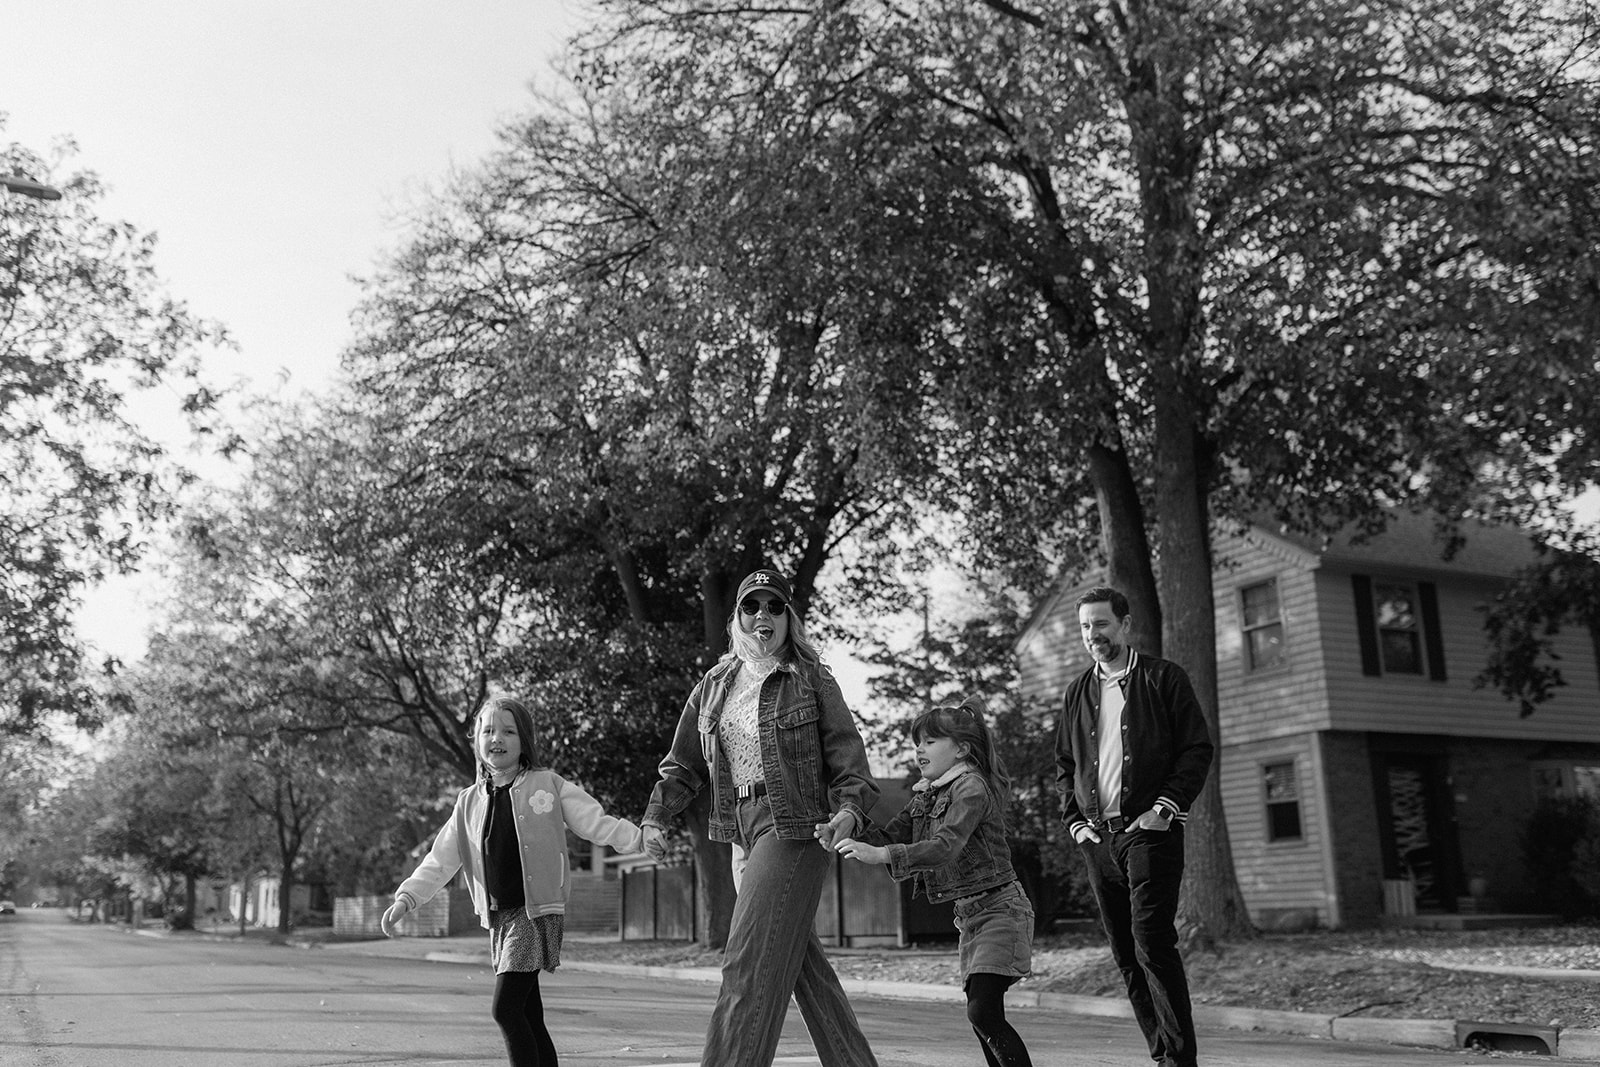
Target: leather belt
x=1116, y=824
x=751, y=790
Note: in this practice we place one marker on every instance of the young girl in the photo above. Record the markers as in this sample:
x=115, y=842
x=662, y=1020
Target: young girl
x=508, y=832
x=951, y=838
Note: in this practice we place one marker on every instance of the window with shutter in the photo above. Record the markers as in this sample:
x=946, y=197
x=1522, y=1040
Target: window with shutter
x=1398, y=626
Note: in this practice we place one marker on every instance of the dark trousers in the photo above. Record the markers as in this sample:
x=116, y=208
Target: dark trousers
x=1135, y=877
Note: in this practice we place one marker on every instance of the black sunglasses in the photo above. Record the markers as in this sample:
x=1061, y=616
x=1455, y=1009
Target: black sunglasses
x=775, y=607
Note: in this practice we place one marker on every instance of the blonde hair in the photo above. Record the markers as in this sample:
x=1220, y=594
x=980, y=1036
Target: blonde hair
x=797, y=647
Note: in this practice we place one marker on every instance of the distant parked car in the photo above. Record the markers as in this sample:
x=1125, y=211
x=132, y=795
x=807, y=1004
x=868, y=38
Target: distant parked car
x=8, y=907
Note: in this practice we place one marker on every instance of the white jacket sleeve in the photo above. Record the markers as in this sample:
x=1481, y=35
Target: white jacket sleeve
x=586, y=818
x=438, y=866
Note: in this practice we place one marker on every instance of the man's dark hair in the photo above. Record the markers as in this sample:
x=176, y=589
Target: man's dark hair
x=1102, y=594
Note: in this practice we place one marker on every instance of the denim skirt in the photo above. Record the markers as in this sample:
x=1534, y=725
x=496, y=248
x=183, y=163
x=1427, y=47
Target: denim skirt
x=522, y=942
x=996, y=933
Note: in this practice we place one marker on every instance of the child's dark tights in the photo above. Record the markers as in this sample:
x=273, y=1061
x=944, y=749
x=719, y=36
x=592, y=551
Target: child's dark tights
x=986, y=1011
x=519, y=1011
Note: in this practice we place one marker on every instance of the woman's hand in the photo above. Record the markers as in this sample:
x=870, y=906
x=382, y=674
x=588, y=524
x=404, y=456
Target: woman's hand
x=655, y=843
x=842, y=825
x=391, y=918
x=860, y=850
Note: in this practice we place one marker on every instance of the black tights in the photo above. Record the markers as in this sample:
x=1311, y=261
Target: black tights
x=986, y=1011
x=519, y=1012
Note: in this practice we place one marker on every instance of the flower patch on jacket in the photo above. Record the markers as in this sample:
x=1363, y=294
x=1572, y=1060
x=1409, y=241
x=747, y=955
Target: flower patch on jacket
x=542, y=801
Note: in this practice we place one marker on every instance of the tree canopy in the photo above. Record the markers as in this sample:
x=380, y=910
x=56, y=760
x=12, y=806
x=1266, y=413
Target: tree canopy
x=84, y=324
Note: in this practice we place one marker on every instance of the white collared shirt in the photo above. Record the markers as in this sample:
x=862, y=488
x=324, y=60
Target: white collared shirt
x=1113, y=699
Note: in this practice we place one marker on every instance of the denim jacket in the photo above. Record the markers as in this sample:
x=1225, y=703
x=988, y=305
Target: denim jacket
x=950, y=838
x=812, y=757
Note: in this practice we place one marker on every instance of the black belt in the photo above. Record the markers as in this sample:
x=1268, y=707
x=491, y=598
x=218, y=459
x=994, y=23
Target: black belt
x=1116, y=824
x=750, y=790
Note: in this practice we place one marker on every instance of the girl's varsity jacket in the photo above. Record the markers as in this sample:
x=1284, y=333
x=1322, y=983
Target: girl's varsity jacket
x=546, y=806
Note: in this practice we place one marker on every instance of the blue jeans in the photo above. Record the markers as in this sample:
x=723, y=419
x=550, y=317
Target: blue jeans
x=1135, y=877
x=773, y=952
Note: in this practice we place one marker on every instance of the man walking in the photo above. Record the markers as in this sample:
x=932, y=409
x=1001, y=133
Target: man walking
x=1132, y=751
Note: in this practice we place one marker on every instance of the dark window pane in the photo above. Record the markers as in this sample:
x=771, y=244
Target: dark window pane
x=1402, y=651
x=1283, y=822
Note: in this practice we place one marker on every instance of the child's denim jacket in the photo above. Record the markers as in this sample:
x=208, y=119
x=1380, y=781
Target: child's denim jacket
x=812, y=756
x=950, y=837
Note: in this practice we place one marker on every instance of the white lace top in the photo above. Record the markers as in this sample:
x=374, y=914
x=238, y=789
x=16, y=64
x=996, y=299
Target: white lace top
x=739, y=728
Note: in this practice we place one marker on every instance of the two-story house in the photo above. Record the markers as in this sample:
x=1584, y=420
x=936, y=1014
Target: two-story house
x=1363, y=771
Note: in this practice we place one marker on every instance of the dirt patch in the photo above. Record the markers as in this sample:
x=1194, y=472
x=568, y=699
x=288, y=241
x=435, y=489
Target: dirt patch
x=1406, y=974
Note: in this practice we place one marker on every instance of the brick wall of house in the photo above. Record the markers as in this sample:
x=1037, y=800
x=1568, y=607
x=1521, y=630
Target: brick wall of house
x=1494, y=798
x=1353, y=826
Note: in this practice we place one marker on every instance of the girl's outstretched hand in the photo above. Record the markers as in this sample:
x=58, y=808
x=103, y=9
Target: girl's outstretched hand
x=391, y=918
x=860, y=850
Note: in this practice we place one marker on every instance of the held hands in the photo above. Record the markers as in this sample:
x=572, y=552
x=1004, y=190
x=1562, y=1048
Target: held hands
x=860, y=850
x=655, y=843
x=841, y=826
x=391, y=918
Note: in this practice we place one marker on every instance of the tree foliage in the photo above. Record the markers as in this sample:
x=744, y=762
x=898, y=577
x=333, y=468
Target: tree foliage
x=85, y=325
x=1561, y=589
x=1247, y=259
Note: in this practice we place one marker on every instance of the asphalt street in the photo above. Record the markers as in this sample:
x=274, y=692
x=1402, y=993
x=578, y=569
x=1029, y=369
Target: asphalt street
x=99, y=996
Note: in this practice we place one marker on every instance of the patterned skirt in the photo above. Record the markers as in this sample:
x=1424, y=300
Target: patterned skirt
x=522, y=942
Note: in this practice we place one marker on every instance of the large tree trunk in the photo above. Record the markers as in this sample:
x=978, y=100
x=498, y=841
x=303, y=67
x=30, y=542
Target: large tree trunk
x=1211, y=905
x=1127, y=546
x=286, y=896
x=713, y=877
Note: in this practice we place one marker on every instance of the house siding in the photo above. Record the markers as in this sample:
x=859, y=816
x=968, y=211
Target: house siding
x=1398, y=703
x=1284, y=883
x=1051, y=654
x=1280, y=701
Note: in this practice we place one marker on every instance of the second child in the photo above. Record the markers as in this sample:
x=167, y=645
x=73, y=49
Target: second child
x=951, y=838
x=508, y=832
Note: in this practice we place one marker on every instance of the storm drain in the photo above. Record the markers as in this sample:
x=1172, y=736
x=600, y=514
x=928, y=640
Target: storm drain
x=1506, y=1037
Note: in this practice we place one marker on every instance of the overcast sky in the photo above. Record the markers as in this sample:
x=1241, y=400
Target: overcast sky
x=271, y=147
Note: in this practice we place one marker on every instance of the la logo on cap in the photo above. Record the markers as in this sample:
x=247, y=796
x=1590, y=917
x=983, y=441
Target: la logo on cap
x=762, y=578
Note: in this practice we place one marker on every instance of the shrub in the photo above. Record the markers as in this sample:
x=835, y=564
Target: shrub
x=1561, y=845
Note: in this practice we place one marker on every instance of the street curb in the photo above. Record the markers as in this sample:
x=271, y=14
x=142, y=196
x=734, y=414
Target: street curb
x=1417, y=1033
x=1578, y=1044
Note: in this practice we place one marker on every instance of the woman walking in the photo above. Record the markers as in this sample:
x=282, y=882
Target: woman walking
x=768, y=732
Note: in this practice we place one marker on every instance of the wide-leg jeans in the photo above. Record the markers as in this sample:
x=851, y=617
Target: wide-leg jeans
x=773, y=953
x=1135, y=877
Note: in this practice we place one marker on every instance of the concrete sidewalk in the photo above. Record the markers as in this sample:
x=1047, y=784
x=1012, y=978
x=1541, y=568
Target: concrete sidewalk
x=1569, y=1043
